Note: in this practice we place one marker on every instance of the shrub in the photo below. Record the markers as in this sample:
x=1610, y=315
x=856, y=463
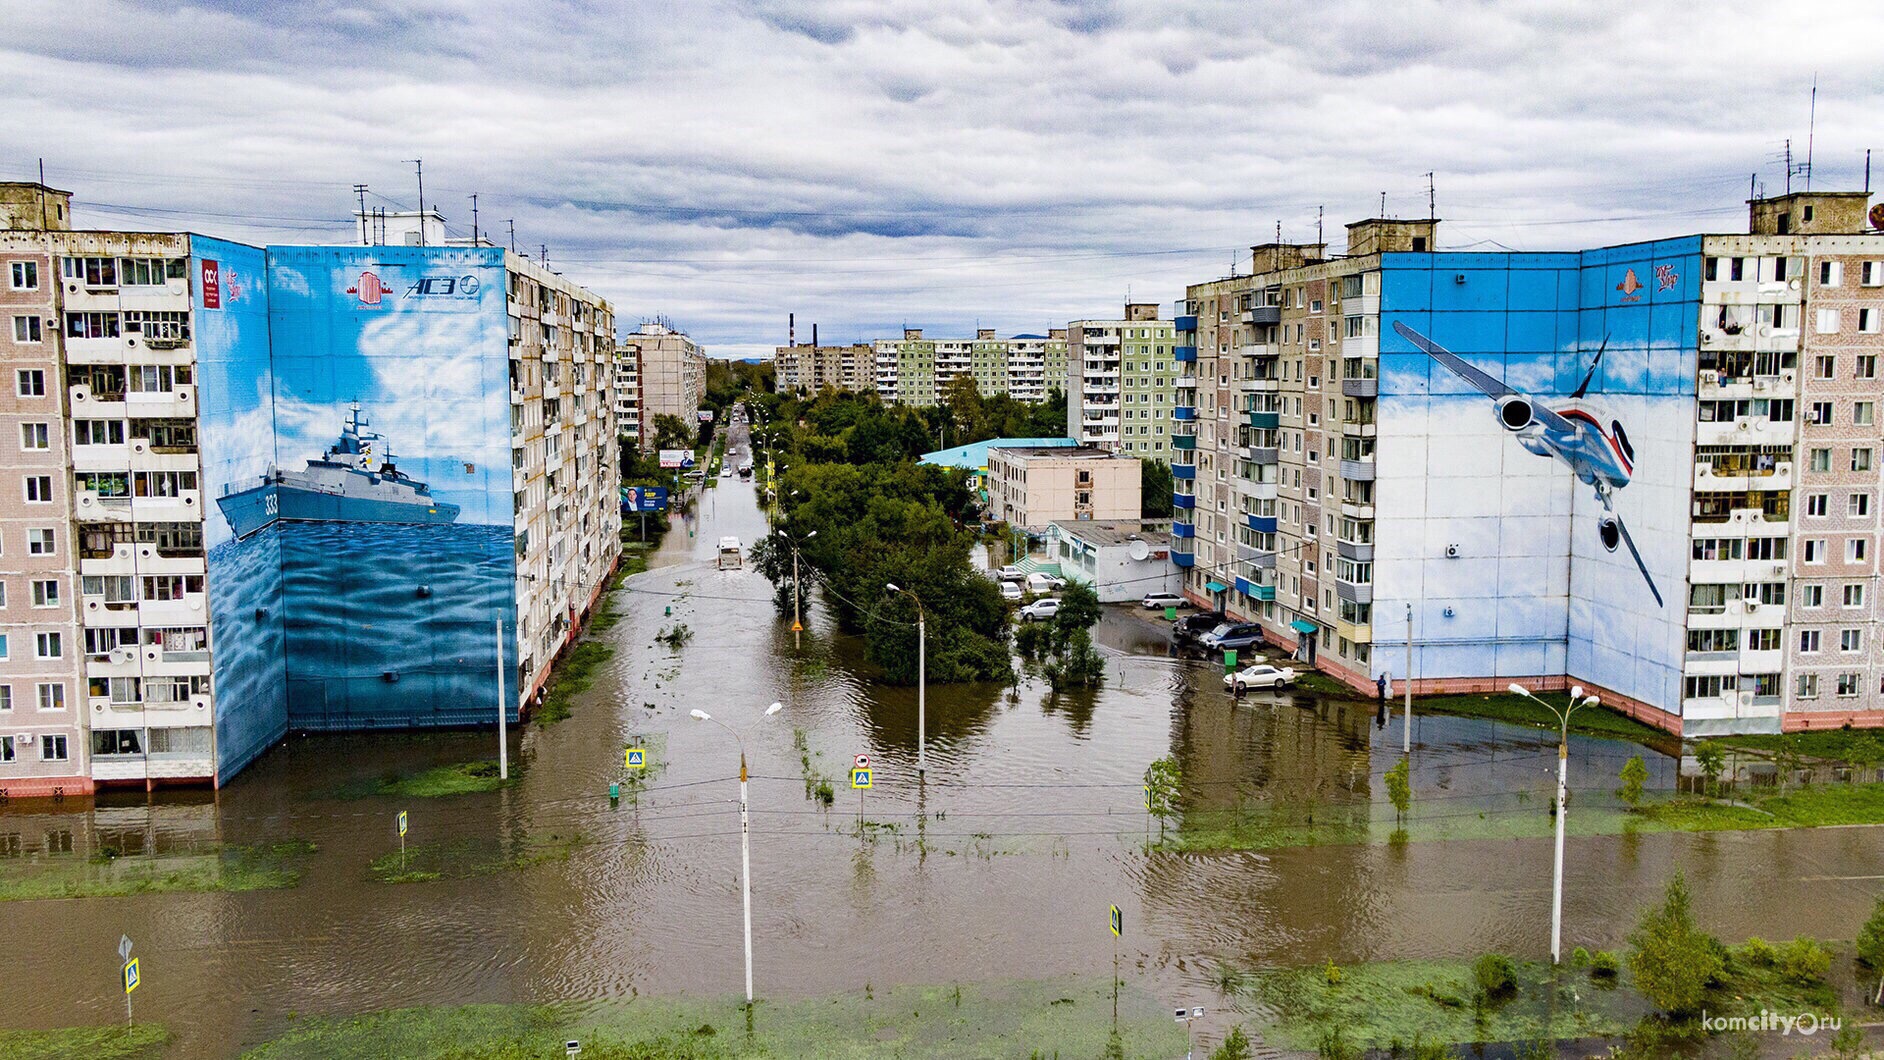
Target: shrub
x=1871, y=939
x=1604, y=965
x=1671, y=960
x=1804, y=961
x=1497, y=977
x=1332, y=973
x=1334, y=1045
x=1634, y=775
x=1579, y=958
x=1235, y=1046
x=1758, y=952
x=1400, y=788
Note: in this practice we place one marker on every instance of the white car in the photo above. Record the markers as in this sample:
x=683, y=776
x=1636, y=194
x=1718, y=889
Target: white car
x=1011, y=591
x=1044, y=583
x=727, y=471
x=1262, y=675
x=1041, y=609
x=1011, y=574
x=1160, y=601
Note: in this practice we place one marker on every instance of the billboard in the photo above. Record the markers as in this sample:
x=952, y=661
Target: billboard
x=643, y=499
x=1536, y=413
x=369, y=467
x=676, y=458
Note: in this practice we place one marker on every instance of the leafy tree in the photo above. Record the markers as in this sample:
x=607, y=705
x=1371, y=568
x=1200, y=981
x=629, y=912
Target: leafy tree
x=1162, y=780
x=1709, y=756
x=1400, y=787
x=1078, y=664
x=1496, y=976
x=1870, y=946
x=1671, y=960
x=1235, y=1046
x=672, y=432
x=1634, y=775
x=1155, y=495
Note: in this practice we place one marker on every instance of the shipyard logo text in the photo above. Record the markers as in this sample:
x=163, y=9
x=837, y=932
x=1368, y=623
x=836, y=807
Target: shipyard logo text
x=444, y=287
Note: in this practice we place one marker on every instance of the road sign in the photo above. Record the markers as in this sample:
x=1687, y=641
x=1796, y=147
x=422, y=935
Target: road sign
x=635, y=758
x=860, y=761
x=130, y=975
x=124, y=947
x=860, y=778
x=572, y=1047
x=1148, y=796
x=1118, y=922
x=798, y=627
x=402, y=824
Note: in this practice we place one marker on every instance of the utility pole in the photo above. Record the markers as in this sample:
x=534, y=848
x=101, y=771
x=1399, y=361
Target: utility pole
x=360, y=190
x=544, y=249
x=503, y=723
x=512, y=222
x=474, y=218
x=420, y=163
x=1406, y=731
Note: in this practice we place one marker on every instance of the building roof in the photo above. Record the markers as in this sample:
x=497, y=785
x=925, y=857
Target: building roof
x=974, y=456
x=1069, y=451
x=1102, y=532
x=1029, y=336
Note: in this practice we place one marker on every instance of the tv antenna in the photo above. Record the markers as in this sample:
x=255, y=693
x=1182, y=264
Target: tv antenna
x=420, y=164
x=360, y=190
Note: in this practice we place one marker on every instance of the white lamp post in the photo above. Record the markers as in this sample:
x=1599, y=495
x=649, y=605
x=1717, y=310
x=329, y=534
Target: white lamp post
x=745, y=833
x=922, y=681
x=1577, y=699
x=798, y=623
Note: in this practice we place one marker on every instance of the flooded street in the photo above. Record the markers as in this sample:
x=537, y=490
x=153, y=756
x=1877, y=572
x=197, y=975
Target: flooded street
x=999, y=864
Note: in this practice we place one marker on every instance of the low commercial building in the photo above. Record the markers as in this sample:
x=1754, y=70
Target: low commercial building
x=1121, y=559
x=1034, y=486
x=973, y=457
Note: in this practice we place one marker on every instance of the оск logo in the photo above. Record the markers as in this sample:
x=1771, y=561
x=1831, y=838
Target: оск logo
x=370, y=288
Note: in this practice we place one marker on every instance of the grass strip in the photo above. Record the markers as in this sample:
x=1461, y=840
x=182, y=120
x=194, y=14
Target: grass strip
x=93, y=1043
x=461, y=859
x=263, y=866
x=572, y=676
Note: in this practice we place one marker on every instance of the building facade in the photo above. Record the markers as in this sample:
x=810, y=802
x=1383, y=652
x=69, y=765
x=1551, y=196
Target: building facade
x=1030, y=487
x=628, y=394
x=917, y=371
x=1121, y=382
x=1123, y=560
x=1547, y=468
x=672, y=374
x=287, y=488
x=807, y=369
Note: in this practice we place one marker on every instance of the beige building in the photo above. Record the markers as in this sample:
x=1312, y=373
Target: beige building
x=807, y=369
x=1121, y=382
x=628, y=394
x=672, y=375
x=1032, y=487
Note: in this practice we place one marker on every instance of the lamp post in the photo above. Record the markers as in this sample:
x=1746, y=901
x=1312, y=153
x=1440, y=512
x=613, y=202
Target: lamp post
x=1577, y=699
x=798, y=624
x=922, y=681
x=1406, y=730
x=745, y=833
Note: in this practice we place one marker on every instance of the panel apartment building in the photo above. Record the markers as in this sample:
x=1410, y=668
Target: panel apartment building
x=916, y=370
x=1121, y=382
x=1650, y=468
x=671, y=374
x=806, y=368
x=306, y=488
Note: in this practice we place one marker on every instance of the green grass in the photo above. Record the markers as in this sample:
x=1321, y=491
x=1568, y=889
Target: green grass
x=1842, y=745
x=460, y=778
x=572, y=676
x=462, y=859
x=92, y=1043
x=1827, y=804
x=1064, y=1018
x=1505, y=707
x=267, y=866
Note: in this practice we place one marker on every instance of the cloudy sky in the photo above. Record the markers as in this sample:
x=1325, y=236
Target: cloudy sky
x=940, y=163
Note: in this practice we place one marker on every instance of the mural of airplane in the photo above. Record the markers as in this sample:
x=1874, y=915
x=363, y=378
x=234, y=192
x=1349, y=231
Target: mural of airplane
x=1573, y=432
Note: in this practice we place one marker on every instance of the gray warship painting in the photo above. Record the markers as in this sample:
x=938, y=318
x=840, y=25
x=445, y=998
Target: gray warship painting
x=342, y=486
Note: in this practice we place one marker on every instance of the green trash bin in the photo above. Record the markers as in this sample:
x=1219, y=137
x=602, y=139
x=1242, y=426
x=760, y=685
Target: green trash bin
x=1170, y=614
x=1229, y=660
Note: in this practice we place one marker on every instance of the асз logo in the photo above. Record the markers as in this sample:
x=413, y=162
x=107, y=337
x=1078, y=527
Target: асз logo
x=465, y=286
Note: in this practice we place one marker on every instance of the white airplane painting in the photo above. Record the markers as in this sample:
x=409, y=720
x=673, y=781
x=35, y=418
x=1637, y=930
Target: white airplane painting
x=1573, y=432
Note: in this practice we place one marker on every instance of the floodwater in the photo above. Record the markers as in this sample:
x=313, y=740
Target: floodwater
x=999, y=863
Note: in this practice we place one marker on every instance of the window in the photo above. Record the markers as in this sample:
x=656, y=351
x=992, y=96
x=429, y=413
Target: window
x=39, y=489
x=1850, y=640
x=1814, y=551
x=26, y=329
x=116, y=742
x=1824, y=366
x=1766, y=548
x=1762, y=640
x=1707, y=686
x=1808, y=686
x=1828, y=322
x=1819, y=414
x=1861, y=458
x=1713, y=640
x=1847, y=685
x=1830, y=273
x=39, y=542
x=1811, y=595
x=1854, y=594
x=6, y=699
x=1868, y=320
x=1872, y=274
x=91, y=325
x=1867, y=366
x=46, y=593
x=98, y=432
x=25, y=275
x=1821, y=460
x=1855, y=548
x=1863, y=413
x=52, y=748
x=31, y=382
x=1816, y=504
x=48, y=645
x=93, y=272
x=34, y=436
x=1809, y=641
x=52, y=696
x=1858, y=505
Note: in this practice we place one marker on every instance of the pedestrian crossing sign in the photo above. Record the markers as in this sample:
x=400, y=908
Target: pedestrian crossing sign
x=636, y=758
x=1118, y=922
x=402, y=824
x=860, y=778
x=130, y=976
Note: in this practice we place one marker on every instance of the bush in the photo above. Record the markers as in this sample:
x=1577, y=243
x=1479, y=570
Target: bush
x=1235, y=1046
x=1332, y=973
x=1579, y=958
x=1671, y=960
x=1804, y=961
x=1871, y=939
x=1400, y=787
x=1334, y=1045
x=1758, y=952
x=1497, y=977
x=1604, y=965
x=1634, y=775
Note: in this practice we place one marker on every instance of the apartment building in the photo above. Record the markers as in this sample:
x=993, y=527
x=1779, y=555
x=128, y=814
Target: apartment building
x=809, y=368
x=266, y=489
x=1033, y=486
x=1552, y=467
x=628, y=394
x=673, y=375
x=1121, y=382
x=917, y=371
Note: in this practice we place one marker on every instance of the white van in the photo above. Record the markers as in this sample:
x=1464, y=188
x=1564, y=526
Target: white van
x=730, y=556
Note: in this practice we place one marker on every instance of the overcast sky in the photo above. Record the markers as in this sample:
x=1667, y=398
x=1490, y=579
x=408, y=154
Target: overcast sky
x=940, y=163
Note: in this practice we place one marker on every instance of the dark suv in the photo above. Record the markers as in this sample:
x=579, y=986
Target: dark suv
x=1186, y=630
x=1232, y=636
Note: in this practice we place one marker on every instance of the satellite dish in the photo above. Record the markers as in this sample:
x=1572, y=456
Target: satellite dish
x=1877, y=217
x=1138, y=550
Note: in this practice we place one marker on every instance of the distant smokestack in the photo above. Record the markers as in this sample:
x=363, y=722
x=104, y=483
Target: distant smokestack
x=814, y=333
x=791, y=329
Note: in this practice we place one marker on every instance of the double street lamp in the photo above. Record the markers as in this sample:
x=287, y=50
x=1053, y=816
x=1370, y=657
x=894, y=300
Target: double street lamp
x=1577, y=700
x=922, y=680
x=745, y=834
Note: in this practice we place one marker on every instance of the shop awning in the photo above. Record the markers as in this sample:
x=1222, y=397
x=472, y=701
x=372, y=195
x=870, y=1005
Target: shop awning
x=1215, y=587
x=1303, y=626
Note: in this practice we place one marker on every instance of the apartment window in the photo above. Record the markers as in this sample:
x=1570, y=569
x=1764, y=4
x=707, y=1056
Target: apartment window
x=1824, y=366
x=1867, y=366
x=1820, y=460
x=1707, y=686
x=1847, y=685
x=1854, y=594
x=1850, y=640
x=1808, y=686
x=1814, y=551
x=98, y=432
x=26, y=329
x=1828, y=322
x=1858, y=505
x=93, y=272
x=1872, y=274
x=91, y=325
x=34, y=436
x=48, y=646
x=30, y=382
x=1762, y=640
x=1861, y=458
x=52, y=748
x=25, y=275
x=1766, y=548
x=1816, y=504
x=1767, y=593
x=1830, y=273
x=40, y=541
x=6, y=699
x=1820, y=413
x=1811, y=595
x=1868, y=320
x=1855, y=549
x=39, y=489
x=1863, y=413
x=46, y=593
x=52, y=696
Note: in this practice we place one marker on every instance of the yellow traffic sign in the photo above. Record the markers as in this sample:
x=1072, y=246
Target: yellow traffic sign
x=1118, y=922
x=860, y=778
x=635, y=758
x=798, y=627
x=402, y=824
x=130, y=976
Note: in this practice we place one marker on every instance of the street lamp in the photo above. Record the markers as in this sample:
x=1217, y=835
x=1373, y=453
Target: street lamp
x=745, y=834
x=922, y=680
x=798, y=624
x=1577, y=699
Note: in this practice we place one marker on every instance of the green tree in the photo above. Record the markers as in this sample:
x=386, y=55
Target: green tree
x=1155, y=490
x=1634, y=775
x=1235, y=1046
x=1870, y=948
x=1400, y=787
x=672, y=432
x=1671, y=960
x=1709, y=756
x=1163, y=777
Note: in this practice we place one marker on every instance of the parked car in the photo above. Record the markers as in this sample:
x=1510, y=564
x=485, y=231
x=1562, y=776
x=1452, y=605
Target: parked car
x=1188, y=629
x=726, y=472
x=1041, y=609
x=1011, y=591
x=1232, y=636
x=1262, y=675
x=1044, y=583
x=1160, y=601
x=1011, y=574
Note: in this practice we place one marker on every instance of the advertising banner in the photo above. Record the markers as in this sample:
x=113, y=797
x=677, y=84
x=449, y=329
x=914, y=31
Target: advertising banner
x=643, y=499
x=676, y=458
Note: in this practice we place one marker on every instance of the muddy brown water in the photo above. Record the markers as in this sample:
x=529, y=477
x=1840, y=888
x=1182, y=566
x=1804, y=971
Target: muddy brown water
x=1026, y=827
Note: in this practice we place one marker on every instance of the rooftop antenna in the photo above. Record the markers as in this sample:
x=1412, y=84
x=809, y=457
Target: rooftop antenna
x=544, y=247
x=1812, y=119
x=360, y=190
x=1432, y=208
x=474, y=218
x=42, y=190
x=1318, y=238
x=512, y=222
x=1383, y=205
x=1867, y=171
x=420, y=163
x=1789, y=165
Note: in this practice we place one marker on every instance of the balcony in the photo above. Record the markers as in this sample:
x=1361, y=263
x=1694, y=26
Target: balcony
x=1351, y=429
x=1720, y=385
x=1724, y=477
x=1353, y=593
x=1260, y=385
x=1356, y=550
x=1185, y=472
x=1184, y=323
x=1357, y=509
x=1181, y=553
x=1254, y=591
x=1185, y=382
x=1257, y=558
x=1262, y=314
x=1184, y=441
x=1358, y=470
x=1184, y=414
x=1183, y=530
x=1258, y=350
x=1747, y=430
x=1262, y=524
x=1264, y=421
x=1355, y=632
x=1361, y=388
x=1185, y=354
x=1185, y=501
x=1263, y=454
